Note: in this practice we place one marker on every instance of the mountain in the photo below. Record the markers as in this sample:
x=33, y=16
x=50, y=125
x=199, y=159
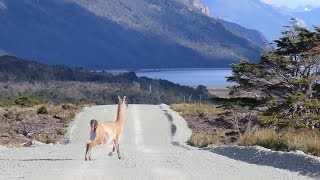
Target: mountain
x=254, y=36
x=268, y=19
x=100, y=34
x=252, y=14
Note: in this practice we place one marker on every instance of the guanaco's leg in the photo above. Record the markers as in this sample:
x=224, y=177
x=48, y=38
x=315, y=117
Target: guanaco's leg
x=117, y=147
x=113, y=148
x=88, y=150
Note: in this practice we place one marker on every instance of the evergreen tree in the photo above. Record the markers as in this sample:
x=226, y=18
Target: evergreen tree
x=286, y=81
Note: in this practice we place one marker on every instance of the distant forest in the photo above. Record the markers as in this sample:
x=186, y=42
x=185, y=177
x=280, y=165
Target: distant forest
x=61, y=84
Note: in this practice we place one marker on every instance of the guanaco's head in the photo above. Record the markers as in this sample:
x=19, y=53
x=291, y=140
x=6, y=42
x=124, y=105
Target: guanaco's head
x=93, y=125
x=122, y=102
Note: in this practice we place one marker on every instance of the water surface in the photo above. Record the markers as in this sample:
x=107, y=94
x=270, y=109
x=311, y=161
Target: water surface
x=190, y=77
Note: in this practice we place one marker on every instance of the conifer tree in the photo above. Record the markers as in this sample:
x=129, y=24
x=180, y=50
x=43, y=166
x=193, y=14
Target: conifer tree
x=286, y=81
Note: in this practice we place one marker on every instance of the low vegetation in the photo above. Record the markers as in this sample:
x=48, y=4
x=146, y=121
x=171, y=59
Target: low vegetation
x=302, y=139
x=203, y=120
x=206, y=111
x=22, y=122
x=209, y=127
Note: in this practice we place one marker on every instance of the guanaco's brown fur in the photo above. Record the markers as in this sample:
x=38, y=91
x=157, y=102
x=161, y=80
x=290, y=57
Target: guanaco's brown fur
x=111, y=130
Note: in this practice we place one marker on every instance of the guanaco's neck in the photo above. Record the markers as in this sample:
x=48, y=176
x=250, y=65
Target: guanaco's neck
x=120, y=114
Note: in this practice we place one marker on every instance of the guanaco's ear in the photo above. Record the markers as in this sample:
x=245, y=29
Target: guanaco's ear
x=124, y=98
x=119, y=98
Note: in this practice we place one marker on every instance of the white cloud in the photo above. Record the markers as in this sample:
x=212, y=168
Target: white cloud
x=293, y=3
x=306, y=9
x=2, y=5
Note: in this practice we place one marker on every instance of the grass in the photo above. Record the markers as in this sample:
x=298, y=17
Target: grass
x=200, y=140
x=197, y=110
x=302, y=139
x=199, y=118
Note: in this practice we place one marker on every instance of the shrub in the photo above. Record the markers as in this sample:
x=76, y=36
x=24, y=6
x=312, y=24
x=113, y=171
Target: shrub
x=42, y=110
x=25, y=101
x=61, y=132
x=68, y=106
x=47, y=138
x=8, y=115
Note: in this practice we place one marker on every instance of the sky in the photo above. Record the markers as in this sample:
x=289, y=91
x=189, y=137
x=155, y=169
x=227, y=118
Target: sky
x=293, y=3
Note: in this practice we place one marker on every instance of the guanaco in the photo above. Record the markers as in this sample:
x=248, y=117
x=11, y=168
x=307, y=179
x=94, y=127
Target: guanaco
x=111, y=131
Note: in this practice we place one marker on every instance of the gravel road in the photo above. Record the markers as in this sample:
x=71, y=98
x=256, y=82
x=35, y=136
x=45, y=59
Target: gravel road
x=153, y=147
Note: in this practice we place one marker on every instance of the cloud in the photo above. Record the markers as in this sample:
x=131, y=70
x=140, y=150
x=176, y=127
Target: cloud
x=293, y=3
x=306, y=9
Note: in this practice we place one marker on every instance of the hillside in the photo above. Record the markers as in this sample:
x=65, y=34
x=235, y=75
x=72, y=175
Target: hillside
x=119, y=34
x=254, y=36
x=19, y=77
x=252, y=14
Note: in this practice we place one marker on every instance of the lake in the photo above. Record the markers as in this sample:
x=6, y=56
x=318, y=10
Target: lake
x=190, y=77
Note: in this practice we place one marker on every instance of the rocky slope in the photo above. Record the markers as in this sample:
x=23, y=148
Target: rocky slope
x=252, y=35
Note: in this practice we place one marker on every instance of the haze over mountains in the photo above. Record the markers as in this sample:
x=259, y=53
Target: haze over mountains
x=112, y=34
x=263, y=17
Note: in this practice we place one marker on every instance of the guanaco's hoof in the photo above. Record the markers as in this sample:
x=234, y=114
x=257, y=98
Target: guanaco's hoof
x=88, y=159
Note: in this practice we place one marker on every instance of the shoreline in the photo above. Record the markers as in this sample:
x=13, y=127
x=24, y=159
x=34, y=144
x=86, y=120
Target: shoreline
x=218, y=92
x=163, y=69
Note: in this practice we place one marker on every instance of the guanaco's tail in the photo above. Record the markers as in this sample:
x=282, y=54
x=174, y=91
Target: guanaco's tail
x=93, y=125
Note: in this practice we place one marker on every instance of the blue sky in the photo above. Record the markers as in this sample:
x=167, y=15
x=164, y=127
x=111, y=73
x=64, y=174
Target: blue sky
x=293, y=3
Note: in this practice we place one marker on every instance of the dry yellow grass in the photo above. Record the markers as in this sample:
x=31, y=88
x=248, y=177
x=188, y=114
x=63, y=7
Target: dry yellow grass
x=197, y=110
x=303, y=139
x=204, y=139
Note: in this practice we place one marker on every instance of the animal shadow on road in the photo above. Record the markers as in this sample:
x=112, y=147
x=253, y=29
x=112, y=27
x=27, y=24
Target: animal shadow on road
x=173, y=130
x=304, y=165
x=172, y=126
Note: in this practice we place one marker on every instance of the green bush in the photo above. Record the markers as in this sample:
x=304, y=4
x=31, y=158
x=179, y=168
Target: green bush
x=42, y=110
x=61, y=132
x=25, y=101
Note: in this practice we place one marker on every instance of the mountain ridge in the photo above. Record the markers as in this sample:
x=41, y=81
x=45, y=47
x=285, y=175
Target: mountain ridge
x=119, y=34
x=266, y=18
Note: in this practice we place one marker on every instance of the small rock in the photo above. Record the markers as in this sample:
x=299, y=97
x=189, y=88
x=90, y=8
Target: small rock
x=299, y=152
x=29, y=134
x=26, y=144
x=56, y=117
x=37, y=143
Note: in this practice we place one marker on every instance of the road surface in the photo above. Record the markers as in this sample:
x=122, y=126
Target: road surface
x=153, y=147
